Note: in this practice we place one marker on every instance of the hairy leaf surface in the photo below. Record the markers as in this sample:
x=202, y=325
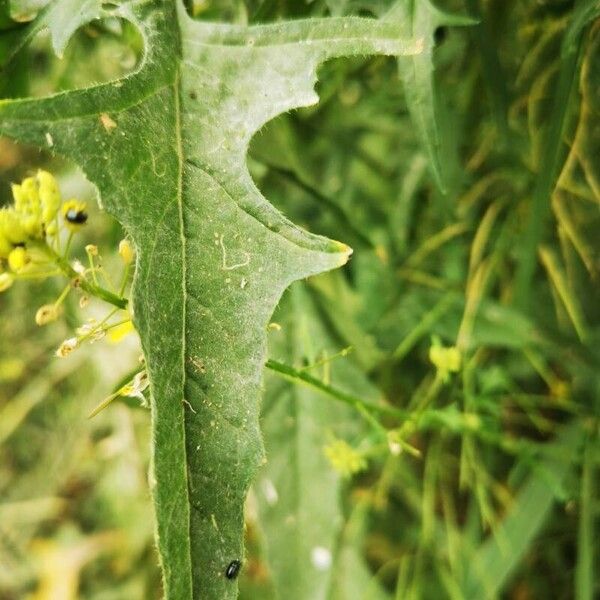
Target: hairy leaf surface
x=166, y=148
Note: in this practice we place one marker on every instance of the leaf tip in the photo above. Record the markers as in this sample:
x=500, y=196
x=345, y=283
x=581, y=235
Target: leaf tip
x=344, y=250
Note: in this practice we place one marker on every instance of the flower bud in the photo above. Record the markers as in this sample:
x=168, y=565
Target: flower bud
x=344, y=459
x=5, y=246
x=20, y=196
x=32, y=225
x=11, y=227
x=46, y=314
x=18, y=259
x=30, y=197
x=126, y=251
x=445, y=359
x=49, y=195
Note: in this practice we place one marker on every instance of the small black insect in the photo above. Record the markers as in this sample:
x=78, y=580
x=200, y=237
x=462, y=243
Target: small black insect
x=79, y=217
x=440, y=35
x=232, y=570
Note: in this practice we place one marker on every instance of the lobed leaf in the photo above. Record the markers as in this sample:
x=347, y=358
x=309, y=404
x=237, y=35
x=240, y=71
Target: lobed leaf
x=166, y=148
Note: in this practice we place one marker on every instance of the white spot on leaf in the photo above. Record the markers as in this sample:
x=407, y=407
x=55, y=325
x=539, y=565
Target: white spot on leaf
x=320, y=558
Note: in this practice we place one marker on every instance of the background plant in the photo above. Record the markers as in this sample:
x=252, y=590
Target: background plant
x=493, y=489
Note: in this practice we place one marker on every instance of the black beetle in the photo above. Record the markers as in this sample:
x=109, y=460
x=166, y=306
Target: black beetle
x=78, y=217
x=232, y=570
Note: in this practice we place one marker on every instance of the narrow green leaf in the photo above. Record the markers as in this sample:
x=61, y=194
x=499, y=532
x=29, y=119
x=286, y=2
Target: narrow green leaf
x=583, y=15
x=492, y=71
x=352, y=579
x=166, y=148
x=420, y=19
x=494, y=562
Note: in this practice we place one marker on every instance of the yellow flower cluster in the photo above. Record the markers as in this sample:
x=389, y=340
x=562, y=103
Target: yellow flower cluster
x=344, y=458
x=34, y=216
x=445, y=359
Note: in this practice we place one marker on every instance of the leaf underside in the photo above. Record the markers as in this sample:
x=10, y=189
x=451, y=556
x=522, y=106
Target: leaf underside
x=214, y=257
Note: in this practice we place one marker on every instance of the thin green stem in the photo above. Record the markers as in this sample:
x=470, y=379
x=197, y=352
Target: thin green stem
x=103, y=404
x=117, y=324
x=38, y=274
x=425, y=324
x=63, y=295
x=124, y=280
x=298, y=376
x=90, y=288
x=68, y=247
x=100, y=326
x=92, y=266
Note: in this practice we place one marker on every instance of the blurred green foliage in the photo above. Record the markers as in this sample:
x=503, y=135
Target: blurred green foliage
x=494, y=493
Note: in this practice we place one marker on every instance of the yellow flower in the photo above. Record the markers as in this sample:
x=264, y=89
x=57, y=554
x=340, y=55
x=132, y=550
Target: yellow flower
x=18, y=259
x=344, y=459
x=33, y=226
x=5, y=245
x=29, y=199
x=49, y=195
x=28, y=207
x=116, y=334
x=74, y=214
x=11, y=228
x=136, y=386
x=446, y=359
x=20, y=197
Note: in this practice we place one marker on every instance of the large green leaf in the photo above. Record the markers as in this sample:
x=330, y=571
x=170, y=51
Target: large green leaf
x=166, y=148
x=298, y=492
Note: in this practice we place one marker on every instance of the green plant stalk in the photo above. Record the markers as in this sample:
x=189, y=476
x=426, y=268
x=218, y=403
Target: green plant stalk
x=92, y=266
x=92, y=289
x=429, y=319
x=298, y=376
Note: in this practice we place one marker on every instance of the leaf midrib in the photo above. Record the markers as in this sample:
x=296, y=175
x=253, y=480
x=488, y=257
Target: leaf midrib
x=184, y=284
